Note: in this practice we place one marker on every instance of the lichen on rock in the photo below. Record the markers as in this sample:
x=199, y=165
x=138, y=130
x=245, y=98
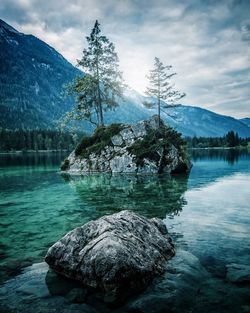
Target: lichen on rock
x=117, y=254
x=141, y=148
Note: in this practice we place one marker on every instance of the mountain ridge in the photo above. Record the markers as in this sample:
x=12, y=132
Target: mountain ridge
x=189, y=120
x=31, y=83
x=245, y=120
x=8, y=27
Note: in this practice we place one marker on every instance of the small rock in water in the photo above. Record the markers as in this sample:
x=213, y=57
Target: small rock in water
x=238, y=273
x=119, y=253
x=215, y=266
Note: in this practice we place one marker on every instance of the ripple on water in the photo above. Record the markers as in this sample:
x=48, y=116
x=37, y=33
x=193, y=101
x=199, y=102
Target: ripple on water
x=207, y=215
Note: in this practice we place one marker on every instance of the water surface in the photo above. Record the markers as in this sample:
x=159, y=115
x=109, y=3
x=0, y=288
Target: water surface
x=207, y=214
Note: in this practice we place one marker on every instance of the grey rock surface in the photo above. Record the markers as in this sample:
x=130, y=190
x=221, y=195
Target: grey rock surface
x=30, y=292
x=118, y=158
x=118, y=253
x=185, y=287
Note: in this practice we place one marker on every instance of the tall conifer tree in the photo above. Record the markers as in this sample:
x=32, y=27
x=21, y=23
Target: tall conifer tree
x=102, y=85
x=160, y=86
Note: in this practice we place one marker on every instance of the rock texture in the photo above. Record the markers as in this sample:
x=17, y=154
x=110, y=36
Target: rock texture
x=118, y=254
x=162, y=154
x=186, y=286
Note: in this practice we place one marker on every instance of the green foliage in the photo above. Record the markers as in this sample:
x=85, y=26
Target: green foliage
x=102, y=85
x=155, y=141
x=65, y=165
x=231, y=139
x=40, y=139
x=160, y=86
x=98, y=141
x=32, y=75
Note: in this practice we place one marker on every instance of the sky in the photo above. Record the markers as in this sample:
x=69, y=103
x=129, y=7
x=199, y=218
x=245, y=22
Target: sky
x=206, y=41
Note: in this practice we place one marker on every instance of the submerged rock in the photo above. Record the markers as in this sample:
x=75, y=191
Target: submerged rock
x=185, y=287
x=140, y=148
x=30, y=292
x=238, y=273
x=119, y=253
x=176, y=290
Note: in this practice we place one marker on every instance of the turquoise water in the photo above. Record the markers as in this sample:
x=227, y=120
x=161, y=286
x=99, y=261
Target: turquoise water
x=207, y=213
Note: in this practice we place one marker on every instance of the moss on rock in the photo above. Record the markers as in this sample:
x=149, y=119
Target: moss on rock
x=141, y=148
x=65, y=165
x=98, y=141
x=154, y=142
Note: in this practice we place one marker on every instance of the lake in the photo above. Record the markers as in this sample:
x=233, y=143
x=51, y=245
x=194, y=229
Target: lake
x=206, y=212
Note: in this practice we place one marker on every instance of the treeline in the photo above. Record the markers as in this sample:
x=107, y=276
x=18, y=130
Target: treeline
x=231, y=139
x=39, y=139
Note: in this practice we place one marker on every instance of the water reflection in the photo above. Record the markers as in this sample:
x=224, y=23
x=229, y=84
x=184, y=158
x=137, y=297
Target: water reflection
x=38, y=206
x=231, y=156
x=46, y=159
x=151, y=196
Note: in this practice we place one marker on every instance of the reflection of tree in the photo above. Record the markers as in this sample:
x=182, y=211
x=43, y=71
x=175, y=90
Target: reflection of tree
x=233, y=156
x=230, y=155
x=152, y=195
x=33, y=159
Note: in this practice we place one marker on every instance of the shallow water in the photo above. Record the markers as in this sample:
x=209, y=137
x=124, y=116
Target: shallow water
x=207, y=213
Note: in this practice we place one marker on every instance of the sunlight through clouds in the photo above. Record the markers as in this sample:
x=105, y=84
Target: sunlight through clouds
x=207, y=42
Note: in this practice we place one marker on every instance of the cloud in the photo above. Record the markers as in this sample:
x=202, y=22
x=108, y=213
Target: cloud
x=206, y=41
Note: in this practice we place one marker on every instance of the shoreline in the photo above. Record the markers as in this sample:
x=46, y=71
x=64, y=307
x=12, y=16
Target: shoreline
x=219, y=148
x=65, y=150
x=34, y=151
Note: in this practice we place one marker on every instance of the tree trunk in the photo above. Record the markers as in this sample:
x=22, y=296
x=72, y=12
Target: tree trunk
x=101, y=123
x=159, y=100
x=159, y=112
x=100, y=106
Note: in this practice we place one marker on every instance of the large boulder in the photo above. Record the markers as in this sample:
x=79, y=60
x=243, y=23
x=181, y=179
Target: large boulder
x=118, y=254
x=141, y=148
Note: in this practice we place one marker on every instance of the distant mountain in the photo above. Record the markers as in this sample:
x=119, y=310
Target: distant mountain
x=189, y=120
x=32, y=75
x=31, y=78
x=246, y=121
x=195, y=121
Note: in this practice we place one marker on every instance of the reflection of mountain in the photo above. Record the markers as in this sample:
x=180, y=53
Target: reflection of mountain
x=32, y=159
x=213, y=164
x=151, y=196
x=230, y=155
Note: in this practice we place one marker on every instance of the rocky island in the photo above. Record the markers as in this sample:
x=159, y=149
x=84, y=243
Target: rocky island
x=141, y=148
x=118, y=254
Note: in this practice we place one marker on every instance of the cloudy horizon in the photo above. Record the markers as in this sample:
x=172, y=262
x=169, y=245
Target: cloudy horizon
x=207, y=42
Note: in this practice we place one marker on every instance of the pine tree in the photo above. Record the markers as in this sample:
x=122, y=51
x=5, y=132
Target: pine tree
x=102, y=85
x=232, y=139
x=160, y=86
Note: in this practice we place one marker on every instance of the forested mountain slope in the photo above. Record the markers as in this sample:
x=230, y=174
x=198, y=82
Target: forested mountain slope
x=31, y=79
x=32, y=76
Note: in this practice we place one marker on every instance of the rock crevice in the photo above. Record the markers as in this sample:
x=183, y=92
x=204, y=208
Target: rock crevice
x=116, y=253
x=140, y=148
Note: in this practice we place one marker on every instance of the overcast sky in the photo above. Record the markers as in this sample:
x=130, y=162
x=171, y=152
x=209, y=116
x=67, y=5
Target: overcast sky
x=206, y=41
